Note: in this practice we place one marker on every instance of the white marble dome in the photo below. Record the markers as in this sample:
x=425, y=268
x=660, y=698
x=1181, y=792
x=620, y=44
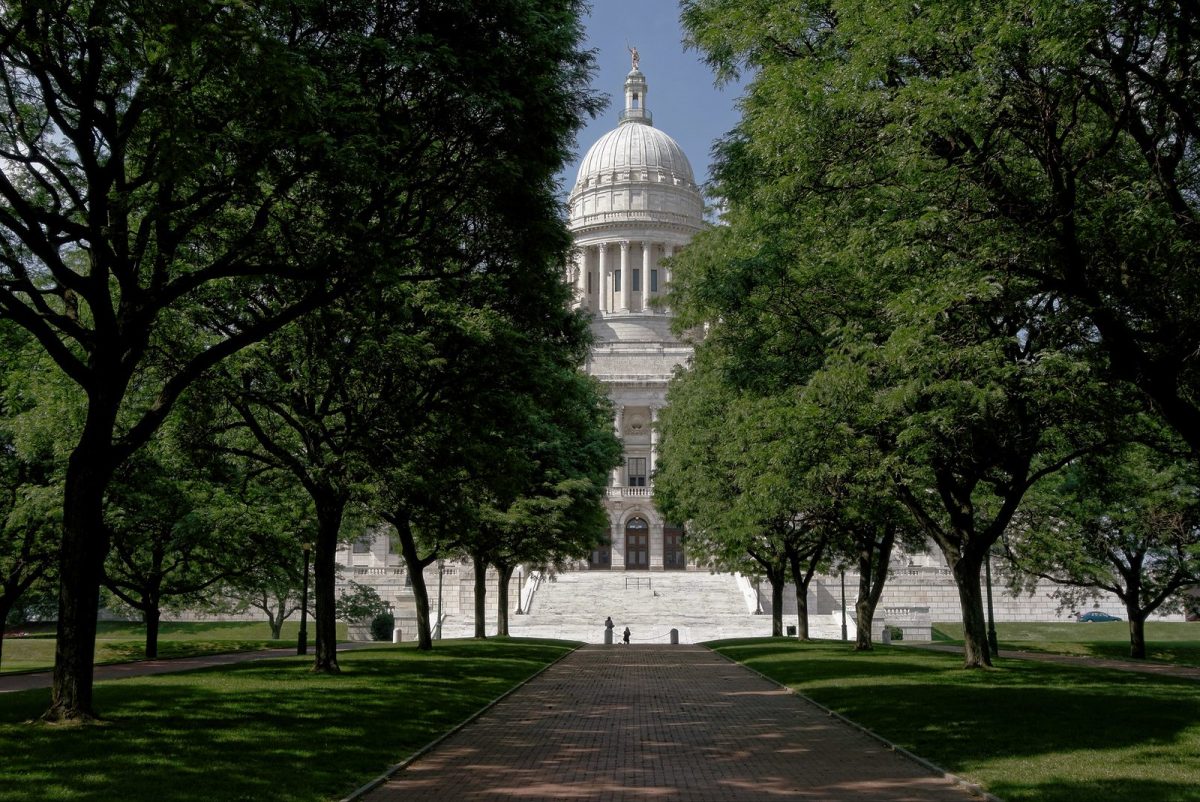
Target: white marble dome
x=635, y=151
x=635, y=173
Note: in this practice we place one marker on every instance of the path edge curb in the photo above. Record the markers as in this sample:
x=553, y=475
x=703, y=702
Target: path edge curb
x=970, y=787
x=393, y=770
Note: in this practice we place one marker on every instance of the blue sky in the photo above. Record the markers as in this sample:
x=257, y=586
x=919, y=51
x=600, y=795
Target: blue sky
x=681, y=96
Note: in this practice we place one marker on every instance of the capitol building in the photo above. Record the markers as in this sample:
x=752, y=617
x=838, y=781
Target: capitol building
x=635, y=203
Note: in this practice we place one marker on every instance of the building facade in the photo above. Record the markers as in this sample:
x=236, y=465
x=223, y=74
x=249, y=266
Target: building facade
x=634, y=204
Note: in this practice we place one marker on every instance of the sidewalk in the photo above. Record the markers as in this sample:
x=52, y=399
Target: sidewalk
x=1158, y=669
x=660, y=722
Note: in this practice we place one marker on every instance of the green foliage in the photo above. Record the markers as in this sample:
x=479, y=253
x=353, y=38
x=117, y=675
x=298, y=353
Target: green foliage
x=382, y=626
x=1125, y=521
x=923, y=240
x=359, y=602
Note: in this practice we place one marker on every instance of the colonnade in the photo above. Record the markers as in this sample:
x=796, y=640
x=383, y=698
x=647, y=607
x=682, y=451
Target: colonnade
x=599, y=275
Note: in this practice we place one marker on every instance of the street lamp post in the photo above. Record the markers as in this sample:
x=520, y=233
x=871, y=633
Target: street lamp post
x=519, y=611
x=437, y=634
x=844, y=605
x=993, y=642
x=302, y=640
x=757, y=596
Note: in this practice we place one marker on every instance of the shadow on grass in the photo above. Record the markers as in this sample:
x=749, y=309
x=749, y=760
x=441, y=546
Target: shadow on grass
x=264, y=731
x=1024, y=728
x=1136, y=789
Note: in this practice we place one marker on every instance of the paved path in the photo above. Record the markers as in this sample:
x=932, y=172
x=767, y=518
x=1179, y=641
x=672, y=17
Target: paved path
x=660, y=723
x=1144, y=667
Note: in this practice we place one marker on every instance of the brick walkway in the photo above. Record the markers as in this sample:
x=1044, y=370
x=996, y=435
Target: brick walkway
x=660, y=723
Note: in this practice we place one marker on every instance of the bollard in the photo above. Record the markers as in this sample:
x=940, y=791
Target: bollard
x=396, y=635
x=674, y=637
x=608, y=637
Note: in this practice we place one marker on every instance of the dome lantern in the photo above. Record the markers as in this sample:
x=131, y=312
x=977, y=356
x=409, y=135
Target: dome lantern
x=635, y=96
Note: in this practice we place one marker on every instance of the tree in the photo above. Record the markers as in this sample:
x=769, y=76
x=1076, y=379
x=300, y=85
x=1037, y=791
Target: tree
x=543, y=504
x=727, y=467
x=184, y=178
x=1063, y=137
x=1126, y=522
x=860, y=253
x=176, y=533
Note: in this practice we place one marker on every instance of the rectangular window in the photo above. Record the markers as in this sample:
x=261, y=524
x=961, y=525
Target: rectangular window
x=589, y=282
x=637, y=280
x=637, y=471
x=362, y=545
x=653, y=281
x=616, y=281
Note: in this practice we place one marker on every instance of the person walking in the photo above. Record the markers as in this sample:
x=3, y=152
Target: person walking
x=608, y=630
x=626, y=638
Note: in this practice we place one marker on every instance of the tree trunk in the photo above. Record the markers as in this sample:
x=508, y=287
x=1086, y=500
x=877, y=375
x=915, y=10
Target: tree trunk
x=416, y=575
x=82, y=553
x=329, y=524
x=1137, y=634
x=480, y=596
x=874, y=557
x=151, y=614
x=778, y=579
x=275, y=620
x=505, y=573
x=976, y=653
x=802, y=577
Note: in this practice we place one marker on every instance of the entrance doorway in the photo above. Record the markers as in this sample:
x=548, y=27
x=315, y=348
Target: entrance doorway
x=637, y=545
x=673, y=557
x=601, y=558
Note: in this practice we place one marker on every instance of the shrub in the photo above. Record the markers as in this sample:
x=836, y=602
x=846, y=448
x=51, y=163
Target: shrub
x=382, y=626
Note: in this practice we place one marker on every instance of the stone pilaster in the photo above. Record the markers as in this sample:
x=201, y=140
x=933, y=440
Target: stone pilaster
x=602, y=275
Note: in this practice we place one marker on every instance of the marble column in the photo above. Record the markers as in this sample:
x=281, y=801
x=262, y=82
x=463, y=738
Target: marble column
x=647, y=248
x=665, y=277
x=626, y=284
x=602, y=275
x=581, y=269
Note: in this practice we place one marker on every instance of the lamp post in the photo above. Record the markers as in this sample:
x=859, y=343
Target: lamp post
x=993, y=642
x=844, y=605
x=437, y=633
x=519, y=611
x=302, y=640
x=757, y=596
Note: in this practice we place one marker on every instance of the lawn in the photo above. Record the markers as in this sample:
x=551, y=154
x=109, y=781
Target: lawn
x=1025, y=730
x=119, y=641
x=1166, y=641
x=265, y=730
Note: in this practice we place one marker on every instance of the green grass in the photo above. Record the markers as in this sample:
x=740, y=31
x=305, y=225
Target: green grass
x=1025, y=730
x=120, y=642
x=1166, y=641
x=266, y=730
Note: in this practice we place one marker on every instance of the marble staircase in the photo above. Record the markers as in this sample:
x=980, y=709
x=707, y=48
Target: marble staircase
x=700, y=605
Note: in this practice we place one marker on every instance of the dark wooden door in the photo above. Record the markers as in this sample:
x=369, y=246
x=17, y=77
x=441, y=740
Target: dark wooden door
x=637, y=545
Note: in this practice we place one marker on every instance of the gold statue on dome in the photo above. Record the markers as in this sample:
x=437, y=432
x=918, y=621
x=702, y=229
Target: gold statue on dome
x=633, y=53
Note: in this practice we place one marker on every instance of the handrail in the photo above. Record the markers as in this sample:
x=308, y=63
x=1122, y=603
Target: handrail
x=532, y=583
x=637, y=580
